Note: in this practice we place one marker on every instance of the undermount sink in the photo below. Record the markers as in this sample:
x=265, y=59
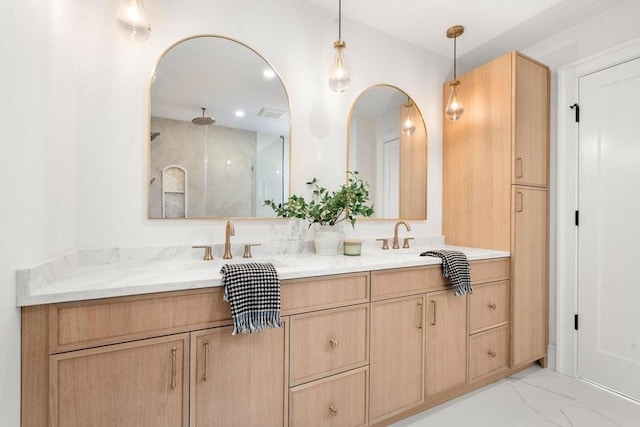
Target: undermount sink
x=217, y=264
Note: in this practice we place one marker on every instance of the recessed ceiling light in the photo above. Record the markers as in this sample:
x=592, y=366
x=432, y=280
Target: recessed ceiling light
x=239, y=113
x=269, y=73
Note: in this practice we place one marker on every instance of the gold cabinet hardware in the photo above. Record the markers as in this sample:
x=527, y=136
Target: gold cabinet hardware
x=207, y=251
x=247, y=249
x=491, y=353
x=385, y=243
x=519, y=202
x=519, y=167
x=419, y=325
x=333, y=411
x=492, y=306
x=205, y=376
x=333, y=342
x=433, y=311
x=406, y=242
x=173, y=368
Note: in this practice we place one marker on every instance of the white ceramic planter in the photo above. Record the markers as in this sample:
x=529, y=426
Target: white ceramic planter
x=327, y=240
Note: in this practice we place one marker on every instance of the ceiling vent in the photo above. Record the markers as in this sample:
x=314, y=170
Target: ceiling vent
x=271, y=113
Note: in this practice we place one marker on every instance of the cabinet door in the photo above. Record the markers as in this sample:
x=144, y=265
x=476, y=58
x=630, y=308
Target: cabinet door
x=237, y=380
x=142, y=383
x=446, y=341
x=529, y=286
x=397, y=356
x=531, y=138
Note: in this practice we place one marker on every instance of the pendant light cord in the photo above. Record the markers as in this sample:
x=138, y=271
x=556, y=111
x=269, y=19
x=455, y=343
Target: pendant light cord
x=454, y=58
x=339, y=19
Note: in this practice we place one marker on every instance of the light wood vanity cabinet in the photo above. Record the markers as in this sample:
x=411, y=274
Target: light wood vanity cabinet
x=495, y=185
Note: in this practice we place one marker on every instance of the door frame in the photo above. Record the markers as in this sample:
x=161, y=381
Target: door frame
x=566, y=277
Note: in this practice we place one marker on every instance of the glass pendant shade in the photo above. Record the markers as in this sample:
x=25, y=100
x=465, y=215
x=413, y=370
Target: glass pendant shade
x=454, y=107
x=339, y=78
x=408, y=125
x=132, y=21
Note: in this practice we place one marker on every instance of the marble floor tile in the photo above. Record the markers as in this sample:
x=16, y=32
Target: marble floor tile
x=535, y=397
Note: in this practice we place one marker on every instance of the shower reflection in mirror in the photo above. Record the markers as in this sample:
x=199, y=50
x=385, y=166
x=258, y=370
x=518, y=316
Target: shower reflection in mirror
x=233, y=161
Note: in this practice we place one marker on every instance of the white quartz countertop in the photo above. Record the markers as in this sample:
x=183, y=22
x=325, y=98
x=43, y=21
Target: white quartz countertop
x=70, y=279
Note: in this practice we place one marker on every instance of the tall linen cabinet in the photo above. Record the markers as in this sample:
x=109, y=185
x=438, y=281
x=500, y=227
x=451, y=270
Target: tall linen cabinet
x=495, y=185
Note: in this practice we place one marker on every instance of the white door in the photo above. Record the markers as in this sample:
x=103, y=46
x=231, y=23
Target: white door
x=609, y=229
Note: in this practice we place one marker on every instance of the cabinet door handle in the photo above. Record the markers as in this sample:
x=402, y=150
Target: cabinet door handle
x=433, y=313
x=519, y=167
x=333, y=342
x=333, y=411
x=492, y=306
x=205, y=376
x=519, y=202
x=173, y=368
x=491, y=353
x=419, y=325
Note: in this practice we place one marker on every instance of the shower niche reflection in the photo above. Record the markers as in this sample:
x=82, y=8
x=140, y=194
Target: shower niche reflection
x=219, y=113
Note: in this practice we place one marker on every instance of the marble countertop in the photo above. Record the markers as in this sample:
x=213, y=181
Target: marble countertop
x=84, y=276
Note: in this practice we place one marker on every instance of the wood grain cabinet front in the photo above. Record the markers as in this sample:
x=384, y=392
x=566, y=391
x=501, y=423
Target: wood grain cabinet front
x=488, y=306
x=336, y=401
x=327, y=342
x=142, y=383
x=488, y=352
x=238, y=380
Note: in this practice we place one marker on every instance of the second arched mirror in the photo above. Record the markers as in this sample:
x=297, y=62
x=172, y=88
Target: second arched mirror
x=387, y=144
x=220, y=113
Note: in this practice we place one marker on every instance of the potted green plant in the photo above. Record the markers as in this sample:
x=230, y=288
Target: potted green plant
x=328, y=209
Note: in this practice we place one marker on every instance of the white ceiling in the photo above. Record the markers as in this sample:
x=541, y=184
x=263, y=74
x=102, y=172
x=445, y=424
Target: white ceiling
x=491, y=26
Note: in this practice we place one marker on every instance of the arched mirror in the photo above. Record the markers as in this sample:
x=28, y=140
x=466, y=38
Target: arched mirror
x=388, y=146
x=220, y=113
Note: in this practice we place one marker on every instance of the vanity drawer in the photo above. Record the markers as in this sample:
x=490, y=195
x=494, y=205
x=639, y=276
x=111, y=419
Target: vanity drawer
x=337, y=401
x=317, y=293
x=488, y=352
x=490, y=270
x=488, y=306
x=76, y=325
x=326, y=342
x=406, y=281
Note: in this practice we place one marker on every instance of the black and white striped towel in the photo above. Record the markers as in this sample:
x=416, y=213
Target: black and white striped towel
x=253, y=292
x=455, y=267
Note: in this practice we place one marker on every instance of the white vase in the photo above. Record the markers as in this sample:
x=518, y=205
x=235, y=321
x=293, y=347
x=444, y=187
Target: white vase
x=327, y=240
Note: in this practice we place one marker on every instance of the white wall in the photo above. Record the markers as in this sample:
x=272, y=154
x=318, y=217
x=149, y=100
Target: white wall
x=38, y=108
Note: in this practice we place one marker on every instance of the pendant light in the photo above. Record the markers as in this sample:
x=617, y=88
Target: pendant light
x=339, y=79
x=408, y=125
x=132, y=20
x=454, y=107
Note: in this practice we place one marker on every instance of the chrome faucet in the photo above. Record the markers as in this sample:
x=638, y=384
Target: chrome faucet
x=229, y=231
x=395, y=235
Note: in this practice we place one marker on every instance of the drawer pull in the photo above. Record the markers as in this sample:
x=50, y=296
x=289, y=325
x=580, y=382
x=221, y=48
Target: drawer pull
x=206, y=361
x=492, y=306
x=333, y=342
x=419, y=325
x=433, y=319
x=333, y=411
x=491, y=353
x=173, y=368
x=519, y=167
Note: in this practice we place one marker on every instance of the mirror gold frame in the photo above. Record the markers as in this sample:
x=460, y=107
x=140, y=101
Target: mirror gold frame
x=393, y=163
x=210, y=56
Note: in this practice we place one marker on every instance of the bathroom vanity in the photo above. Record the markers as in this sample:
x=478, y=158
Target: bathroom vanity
x=366, y=341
